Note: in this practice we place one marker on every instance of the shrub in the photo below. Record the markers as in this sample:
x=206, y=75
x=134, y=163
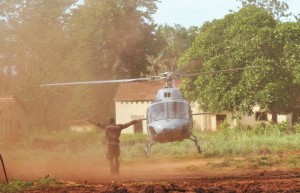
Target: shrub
x=14, y=186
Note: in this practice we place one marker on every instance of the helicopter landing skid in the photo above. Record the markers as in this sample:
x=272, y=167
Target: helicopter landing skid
x=195, y=140
x=148, y=148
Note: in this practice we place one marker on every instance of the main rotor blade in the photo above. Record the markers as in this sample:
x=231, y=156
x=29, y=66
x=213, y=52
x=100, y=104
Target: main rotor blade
x=96, y=82
x=218, y=71
x=204, y=113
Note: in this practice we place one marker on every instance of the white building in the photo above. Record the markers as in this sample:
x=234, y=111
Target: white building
x=14, y=116
x=132, y=100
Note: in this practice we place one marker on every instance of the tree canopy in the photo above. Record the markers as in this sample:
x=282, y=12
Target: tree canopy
x=277, y=8
x=59, y=41
x=170, y=43
x=249, y=38
x=44, y=41
x=112, y=38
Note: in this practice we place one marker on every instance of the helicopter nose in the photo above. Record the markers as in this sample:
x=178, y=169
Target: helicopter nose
x=170, y=131
x=174, y=125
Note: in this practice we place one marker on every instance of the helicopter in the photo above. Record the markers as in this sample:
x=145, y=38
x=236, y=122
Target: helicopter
x=169, y=116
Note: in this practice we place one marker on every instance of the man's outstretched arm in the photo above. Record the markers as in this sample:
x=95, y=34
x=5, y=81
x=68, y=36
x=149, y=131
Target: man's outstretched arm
x=130, y=123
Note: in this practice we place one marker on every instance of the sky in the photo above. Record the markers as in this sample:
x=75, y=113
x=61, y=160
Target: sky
x=195, y=12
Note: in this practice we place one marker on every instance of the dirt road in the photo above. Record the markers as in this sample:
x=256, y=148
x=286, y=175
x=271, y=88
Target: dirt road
x=174, y=176
x=264, y=181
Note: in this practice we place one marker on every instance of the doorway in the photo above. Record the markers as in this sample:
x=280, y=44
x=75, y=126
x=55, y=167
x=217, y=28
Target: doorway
x=138, y=127
x=220, y=118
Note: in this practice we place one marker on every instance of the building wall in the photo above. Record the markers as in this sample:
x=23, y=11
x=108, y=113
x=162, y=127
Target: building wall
x=251, y=120
x=206, y=122
x=128, y=111
x=13, y=119
x=285, y=118
x=209, y=122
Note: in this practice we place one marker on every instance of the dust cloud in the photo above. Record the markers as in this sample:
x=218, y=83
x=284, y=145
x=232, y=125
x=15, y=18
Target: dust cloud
x=39, y=157
x=86, y=169
x=81, y=167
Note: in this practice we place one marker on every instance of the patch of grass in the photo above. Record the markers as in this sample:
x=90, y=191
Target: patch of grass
x=192, y=168
x=239, y=141
x=262, y=162
x=130, y=139
x=16, y=186
x=293, y=160
x=46, y=181
x=227, y=162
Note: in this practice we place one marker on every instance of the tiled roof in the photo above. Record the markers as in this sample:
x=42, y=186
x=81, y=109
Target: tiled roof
x=138, y=91
x=5, y=101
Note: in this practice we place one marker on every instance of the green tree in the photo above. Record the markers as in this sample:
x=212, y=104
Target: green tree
x=53, y=41
x=35, y=45
x=112, y=38
x=276, y=7
x=288, y=36
x=109, y=40
x=173, y=43
x=247, y=38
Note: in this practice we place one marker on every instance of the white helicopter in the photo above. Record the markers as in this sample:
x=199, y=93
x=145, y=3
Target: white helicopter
x=169, y=116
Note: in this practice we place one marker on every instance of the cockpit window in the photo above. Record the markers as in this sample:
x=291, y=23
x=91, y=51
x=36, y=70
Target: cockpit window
x=168, y=110
x=157, y=112
x=177, y=110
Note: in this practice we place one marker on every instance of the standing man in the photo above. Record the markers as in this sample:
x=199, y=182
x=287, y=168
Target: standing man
x=113, y=132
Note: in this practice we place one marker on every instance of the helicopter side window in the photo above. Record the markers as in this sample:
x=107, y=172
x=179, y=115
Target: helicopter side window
x=177, y=110
x=167, y=94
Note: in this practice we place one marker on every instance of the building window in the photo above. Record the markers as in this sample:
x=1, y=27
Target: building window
x=220, y=118
x=261, y=116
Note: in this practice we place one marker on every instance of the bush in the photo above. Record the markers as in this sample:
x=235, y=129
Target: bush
x=14, y=186
x=297, y=128
x=19, y=186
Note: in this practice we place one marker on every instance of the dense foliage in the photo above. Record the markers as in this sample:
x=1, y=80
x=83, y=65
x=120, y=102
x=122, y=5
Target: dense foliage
x=59, y=41
x=170, y=43
x=45, y=41
x=277, y=8
x=249, y=38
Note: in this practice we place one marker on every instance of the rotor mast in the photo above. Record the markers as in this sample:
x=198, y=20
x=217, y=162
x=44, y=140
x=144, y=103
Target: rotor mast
x=169, y=79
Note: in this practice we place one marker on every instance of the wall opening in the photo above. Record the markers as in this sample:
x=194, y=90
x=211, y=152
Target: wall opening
x=138, y=127
x=296, y=116
x=261, y=116
x=220, y=118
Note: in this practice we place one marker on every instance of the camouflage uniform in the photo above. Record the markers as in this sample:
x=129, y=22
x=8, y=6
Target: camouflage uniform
x=113, y=133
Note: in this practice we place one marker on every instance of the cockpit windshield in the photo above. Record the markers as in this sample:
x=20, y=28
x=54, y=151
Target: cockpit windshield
x=168, y=110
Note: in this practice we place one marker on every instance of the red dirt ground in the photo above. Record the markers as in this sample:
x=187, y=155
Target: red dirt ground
x=155, y=176
x=273, y=181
